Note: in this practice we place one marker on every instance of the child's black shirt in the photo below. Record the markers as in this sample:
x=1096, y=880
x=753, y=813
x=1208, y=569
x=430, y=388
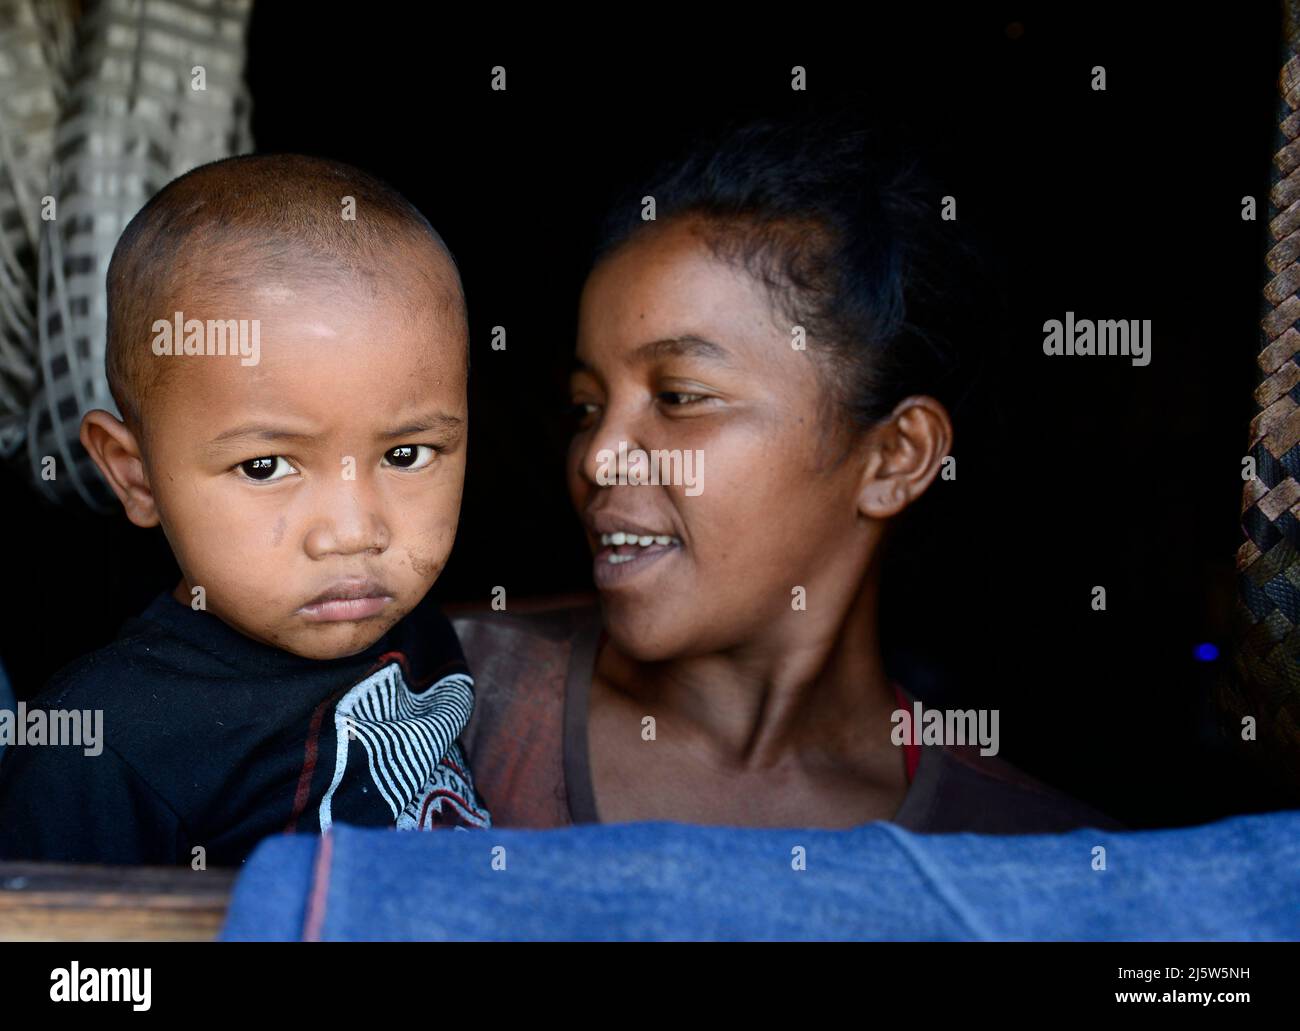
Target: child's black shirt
x=211, y=741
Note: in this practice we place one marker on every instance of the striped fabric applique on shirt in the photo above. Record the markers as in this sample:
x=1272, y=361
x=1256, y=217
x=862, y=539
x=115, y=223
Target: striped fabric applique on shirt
x=409, y=741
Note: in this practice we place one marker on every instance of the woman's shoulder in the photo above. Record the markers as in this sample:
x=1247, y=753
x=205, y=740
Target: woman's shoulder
x=960, y=789
x=510, y=649
x=521, y=660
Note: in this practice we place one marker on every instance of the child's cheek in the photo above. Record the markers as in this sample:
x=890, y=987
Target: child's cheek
x=427, y=566
x=429, y=553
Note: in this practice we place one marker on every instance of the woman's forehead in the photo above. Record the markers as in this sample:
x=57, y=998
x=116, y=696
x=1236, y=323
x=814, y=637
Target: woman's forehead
x=669, y=296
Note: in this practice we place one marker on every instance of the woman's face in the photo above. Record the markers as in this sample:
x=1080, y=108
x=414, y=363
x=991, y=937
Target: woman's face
x=681, y=353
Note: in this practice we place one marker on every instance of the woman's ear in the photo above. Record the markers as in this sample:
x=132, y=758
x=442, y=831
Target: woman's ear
x=116, y=451
x=904, y=454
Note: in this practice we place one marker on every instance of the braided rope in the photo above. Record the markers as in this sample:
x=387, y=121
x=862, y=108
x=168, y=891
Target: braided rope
x=1266, y=685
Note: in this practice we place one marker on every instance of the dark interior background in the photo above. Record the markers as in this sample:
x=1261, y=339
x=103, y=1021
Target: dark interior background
x=1123, y=204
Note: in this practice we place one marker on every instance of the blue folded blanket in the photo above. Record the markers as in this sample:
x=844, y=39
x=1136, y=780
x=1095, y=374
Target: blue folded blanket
x=1236, y=879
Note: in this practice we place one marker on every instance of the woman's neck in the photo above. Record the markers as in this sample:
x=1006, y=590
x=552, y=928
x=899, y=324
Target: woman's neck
x=823, y=689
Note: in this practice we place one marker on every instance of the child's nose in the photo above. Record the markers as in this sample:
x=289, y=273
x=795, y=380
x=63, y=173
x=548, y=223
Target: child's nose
x=349, y=523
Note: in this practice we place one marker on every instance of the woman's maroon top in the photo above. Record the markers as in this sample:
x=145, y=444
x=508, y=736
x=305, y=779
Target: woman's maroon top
x=526, y=742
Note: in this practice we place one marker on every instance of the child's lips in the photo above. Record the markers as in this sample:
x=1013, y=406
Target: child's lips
x=347, y=600
x=343, y=609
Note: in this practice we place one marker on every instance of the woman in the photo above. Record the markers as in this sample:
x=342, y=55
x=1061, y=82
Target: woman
x=784, y=319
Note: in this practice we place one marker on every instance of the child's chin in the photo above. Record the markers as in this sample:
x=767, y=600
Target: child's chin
x=336, y=640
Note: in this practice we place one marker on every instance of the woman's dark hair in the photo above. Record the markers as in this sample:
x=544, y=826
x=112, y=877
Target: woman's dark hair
x=843, y=223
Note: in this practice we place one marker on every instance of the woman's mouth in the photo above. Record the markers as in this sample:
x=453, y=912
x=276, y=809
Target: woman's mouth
x=623, y=554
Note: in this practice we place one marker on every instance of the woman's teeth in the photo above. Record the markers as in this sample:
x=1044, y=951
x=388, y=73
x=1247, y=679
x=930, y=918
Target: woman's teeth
x=644, y=540
x=620, y=538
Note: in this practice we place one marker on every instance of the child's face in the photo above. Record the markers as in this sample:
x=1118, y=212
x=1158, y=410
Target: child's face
x=357, y=409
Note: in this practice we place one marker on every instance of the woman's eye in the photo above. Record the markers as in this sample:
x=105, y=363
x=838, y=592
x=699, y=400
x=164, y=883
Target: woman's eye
x=675, y=398
x=410, y=456
x=583, y=412
x=263, y=470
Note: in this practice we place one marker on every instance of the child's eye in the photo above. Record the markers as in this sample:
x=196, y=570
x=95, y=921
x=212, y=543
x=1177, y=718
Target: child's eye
x=410, y=456
x=266, y=469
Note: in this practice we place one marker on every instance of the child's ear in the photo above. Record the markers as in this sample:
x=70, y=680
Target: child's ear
x=115, y=450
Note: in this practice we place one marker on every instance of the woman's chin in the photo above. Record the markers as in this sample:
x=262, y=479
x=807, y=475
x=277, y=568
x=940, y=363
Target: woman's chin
x=641, y=633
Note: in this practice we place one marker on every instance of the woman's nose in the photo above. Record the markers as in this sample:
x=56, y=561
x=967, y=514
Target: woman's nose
x=616, y=432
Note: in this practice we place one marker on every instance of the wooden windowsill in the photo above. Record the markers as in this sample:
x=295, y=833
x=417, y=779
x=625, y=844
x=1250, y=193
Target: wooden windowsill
x=71, y=902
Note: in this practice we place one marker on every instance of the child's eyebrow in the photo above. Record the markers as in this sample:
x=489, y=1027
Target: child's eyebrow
x=255, y=431
x=436, y=421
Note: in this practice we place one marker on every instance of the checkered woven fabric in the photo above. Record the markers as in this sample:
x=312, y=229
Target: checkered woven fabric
x=148, y=90
x=35, y=65
x=1266, y=684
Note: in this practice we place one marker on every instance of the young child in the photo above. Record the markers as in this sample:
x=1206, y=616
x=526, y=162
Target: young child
x=289, y=349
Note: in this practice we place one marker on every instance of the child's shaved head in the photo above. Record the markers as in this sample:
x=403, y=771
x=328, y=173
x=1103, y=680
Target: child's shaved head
x=226, y=227
x=307, y=474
